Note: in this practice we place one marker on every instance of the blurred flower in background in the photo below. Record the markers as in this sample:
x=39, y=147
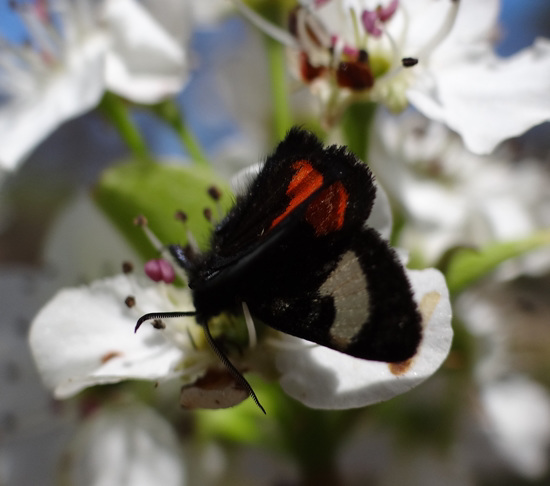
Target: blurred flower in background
x=93, y=91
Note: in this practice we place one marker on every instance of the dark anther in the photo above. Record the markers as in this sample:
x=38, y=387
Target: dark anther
x=181, y=216
x=214, y=193
x=409, y=61
x=158, y=324
x=127, y=267
x=130, y=301
x=140, y=220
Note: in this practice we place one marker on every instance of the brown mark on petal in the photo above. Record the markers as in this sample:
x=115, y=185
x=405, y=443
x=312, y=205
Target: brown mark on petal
x=427, y=306
x=110, y=355
x=217, y=389
x=400, y=368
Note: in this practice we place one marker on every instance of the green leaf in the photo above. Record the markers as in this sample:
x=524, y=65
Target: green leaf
x=157, y=192
x=467, y=265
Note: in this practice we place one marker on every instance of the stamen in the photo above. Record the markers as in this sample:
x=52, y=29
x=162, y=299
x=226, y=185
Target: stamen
x=280, y=35
x=158, y=324
x=141, y=221
x=130, y=301
x=355, y=24
x=386, y=13
x=287, y=344
x=370, y=20
x=252, y=338
x=191, y=339
x=304, y=38
x=216, y=195
x=182, y=216
x=409, y=62
x=443, y=31
x=127, y=267
x=207, y=214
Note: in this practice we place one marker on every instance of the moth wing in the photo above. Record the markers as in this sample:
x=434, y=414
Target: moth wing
x=299, y=172
x=362, y=304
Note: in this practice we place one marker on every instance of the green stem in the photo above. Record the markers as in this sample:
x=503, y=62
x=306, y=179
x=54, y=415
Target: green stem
x=170, y=113
x=282, y=116
x=356, y=125
x=114, y=108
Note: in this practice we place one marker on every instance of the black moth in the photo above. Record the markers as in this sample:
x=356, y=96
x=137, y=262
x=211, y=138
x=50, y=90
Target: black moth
x=296, y=249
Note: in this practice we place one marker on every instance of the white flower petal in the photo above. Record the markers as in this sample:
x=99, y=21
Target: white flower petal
x=85, y=336
x=487, y=99
x=67, y=91
x=323, y=378
x=518, y=421
x=126, y=446
x=145, y=62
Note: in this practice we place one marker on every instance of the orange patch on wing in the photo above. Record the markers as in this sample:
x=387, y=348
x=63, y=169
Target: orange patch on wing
x=327, y=212
x=304, y=183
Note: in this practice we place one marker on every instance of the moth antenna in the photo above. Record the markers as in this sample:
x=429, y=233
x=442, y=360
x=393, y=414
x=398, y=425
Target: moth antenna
x=221, y=355
x=234, y=371
x=161, y=315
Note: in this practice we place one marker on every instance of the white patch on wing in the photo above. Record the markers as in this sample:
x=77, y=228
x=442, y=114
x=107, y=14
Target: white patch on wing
x=347, y=285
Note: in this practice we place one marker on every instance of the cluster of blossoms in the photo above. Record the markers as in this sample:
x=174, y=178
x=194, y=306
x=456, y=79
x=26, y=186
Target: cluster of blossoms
x=446, y=103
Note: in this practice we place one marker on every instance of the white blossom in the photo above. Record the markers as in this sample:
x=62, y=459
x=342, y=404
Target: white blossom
x=451, y=196
x=435, y=55
x=77, y=50
x=84, y=336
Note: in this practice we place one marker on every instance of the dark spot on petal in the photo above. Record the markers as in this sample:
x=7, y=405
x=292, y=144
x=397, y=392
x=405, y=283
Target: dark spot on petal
x=400, y=368
x=110, y=355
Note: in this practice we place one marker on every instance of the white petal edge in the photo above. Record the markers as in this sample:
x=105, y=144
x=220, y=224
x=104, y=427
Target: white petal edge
x=145, y=62
x=488, y=100
x=68, y=91
x=322, y=378
x=85, y=336
x=126, y=445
